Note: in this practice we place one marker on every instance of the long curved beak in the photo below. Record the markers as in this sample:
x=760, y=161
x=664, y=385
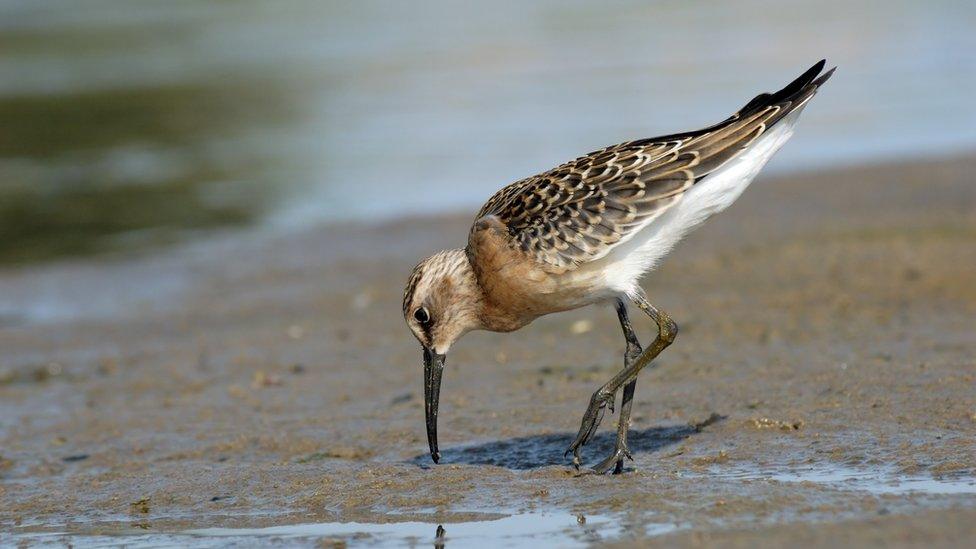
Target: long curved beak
x=433, y=368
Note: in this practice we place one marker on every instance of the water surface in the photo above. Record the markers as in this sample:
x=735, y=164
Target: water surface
x=133, y=123
x=526, y=530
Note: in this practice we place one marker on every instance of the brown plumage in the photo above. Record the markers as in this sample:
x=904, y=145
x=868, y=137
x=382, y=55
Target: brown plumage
x=576, y=212
x=585, y=232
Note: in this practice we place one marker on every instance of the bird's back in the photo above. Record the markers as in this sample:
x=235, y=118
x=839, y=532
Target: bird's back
x=623, y=266
x=594, y=225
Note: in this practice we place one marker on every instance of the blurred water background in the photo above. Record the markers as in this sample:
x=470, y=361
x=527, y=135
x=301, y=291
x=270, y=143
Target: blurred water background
x=125, y=124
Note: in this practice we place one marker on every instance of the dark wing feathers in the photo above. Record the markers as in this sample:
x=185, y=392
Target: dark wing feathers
x=578, y=211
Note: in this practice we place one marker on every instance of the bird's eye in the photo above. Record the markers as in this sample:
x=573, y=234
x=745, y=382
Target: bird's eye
x=422, y=315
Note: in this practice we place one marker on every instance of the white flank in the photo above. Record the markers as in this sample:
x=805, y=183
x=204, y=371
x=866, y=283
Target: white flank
x=623, y=267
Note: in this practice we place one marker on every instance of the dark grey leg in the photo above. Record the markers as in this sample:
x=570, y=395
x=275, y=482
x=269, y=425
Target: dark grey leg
x=633, y=352
x=667, y=331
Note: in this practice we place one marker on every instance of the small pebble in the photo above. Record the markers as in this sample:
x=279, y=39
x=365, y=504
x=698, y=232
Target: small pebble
x=581, y=327
x=262, y=379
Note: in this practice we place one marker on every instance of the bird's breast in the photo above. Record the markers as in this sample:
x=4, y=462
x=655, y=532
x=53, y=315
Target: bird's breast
x=517, y=288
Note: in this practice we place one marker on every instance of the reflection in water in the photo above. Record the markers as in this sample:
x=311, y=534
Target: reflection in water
x=133, y=122
x=439, y=537
x=522, y=530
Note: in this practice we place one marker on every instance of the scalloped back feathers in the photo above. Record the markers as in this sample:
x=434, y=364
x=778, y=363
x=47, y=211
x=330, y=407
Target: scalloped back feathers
x=581, y=211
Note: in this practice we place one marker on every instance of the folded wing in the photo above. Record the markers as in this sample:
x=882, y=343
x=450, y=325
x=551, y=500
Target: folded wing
x=577, y=212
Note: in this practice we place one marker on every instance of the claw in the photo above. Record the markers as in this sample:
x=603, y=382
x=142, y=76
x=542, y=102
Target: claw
x=588, y=426
x=615, y=460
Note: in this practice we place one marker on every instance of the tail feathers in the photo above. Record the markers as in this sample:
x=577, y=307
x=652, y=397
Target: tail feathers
x=718, y=144
x=793, y=96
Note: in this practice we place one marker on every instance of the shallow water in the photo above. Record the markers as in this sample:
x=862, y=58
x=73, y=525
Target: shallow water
x=520, y=530
x=873, y=481
x=555, y=528
x=130, y=124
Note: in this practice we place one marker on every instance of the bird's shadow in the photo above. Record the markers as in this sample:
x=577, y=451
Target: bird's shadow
x=532, y=452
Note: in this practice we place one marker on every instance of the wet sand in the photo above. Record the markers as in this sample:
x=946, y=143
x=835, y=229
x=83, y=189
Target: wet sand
x=822, y=389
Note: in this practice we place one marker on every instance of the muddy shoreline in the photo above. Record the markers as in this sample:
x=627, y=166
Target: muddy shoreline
x=825, y=362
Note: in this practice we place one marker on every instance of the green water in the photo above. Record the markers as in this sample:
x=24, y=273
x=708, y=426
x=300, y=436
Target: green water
x=107, y=170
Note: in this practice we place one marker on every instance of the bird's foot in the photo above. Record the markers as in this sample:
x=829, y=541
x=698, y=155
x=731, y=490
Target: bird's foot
x=614, y=460
x=591, y=420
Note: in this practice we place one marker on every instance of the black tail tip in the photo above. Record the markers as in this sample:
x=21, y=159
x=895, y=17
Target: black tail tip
x=813, y=76
x=823, y=77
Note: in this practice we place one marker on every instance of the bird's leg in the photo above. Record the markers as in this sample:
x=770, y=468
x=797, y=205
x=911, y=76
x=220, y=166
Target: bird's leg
x=667, y=331
x=633, y=352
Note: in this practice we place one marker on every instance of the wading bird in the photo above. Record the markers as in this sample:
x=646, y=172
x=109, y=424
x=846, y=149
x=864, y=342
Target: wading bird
x=585, y=232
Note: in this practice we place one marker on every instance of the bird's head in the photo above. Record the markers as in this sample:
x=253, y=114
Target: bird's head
x=441, y=303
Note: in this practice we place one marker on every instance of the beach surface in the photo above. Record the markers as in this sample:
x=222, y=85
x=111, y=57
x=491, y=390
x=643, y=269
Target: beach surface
x=263, y=388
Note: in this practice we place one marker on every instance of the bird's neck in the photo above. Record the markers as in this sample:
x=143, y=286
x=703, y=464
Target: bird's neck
x=484, y=313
